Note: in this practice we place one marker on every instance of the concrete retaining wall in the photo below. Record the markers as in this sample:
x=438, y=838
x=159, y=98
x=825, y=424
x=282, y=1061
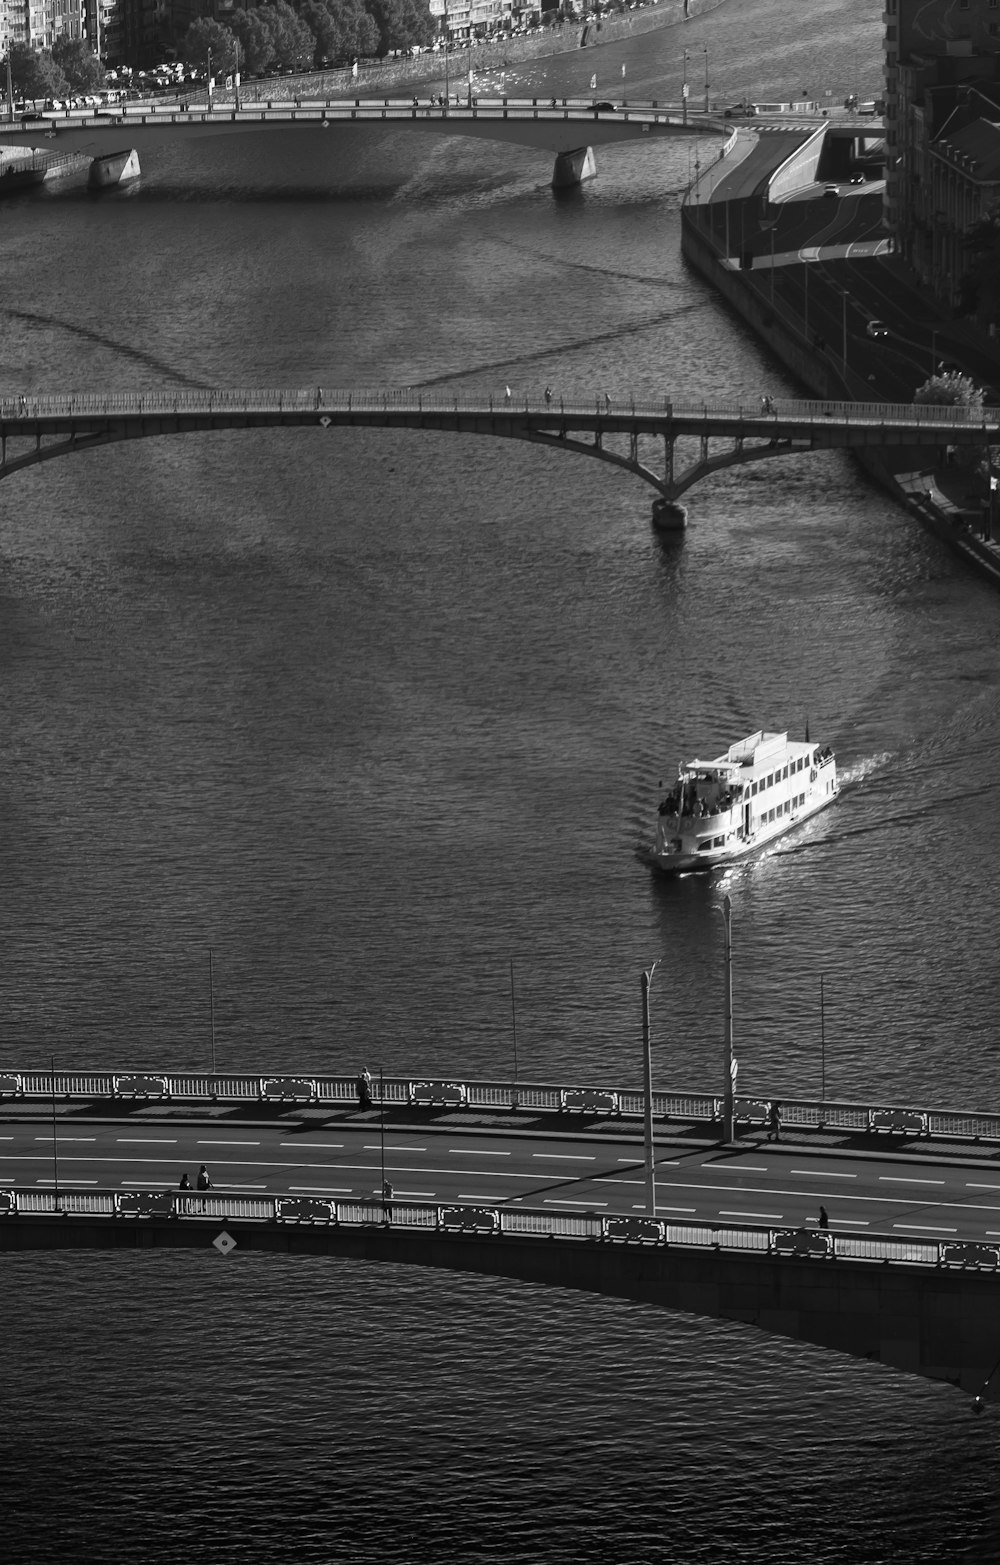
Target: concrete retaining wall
x=564, y=38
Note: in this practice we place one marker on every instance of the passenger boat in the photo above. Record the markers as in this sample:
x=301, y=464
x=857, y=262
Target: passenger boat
x=724, y=809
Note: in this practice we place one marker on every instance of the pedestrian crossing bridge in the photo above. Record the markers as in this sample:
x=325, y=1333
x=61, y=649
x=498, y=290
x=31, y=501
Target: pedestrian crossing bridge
x=670, y=444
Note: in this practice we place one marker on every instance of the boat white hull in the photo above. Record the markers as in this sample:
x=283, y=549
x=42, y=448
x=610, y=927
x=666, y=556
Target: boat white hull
x=718, y=858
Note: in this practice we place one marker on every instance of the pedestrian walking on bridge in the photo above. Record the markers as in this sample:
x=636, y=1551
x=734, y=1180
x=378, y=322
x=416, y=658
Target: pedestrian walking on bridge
x=204, y=1182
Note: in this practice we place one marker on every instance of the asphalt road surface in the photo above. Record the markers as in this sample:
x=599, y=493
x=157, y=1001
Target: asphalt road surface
x=761, y=1184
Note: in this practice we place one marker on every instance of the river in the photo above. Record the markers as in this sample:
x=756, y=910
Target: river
x=375, y=715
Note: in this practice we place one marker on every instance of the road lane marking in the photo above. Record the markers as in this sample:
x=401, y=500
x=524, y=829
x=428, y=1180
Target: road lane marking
x=971, y=1186
x=392, y=1147
x=419, y=1195
x=551, y=1201
x=477, y=1152
x=661, y=1162
x=736, y=1168
x=926, y=1228
x=820, y=1173
x=904, y=1179
x=479, y=1196
x=846, y=1222
x=760, y=1217
x=687, y=1210
x=146, y=1141
x=319, y=1146
x=321, y=1189
x=227, y=1143
x=48, y=1138
x=570, y=1157
x=65, y=1181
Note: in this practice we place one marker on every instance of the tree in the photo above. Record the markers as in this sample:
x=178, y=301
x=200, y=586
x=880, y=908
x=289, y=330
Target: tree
x=256, y=44
x=80, y=66
x=206, y=35
x=402, y=23
x=955, y=390
x=34, y=74
x=342, y=28
x=293, y=42
x=952, y=390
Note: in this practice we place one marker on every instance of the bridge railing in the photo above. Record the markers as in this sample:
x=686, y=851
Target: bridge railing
x=492, y=1223
x=317, y=400
x=571, y=1102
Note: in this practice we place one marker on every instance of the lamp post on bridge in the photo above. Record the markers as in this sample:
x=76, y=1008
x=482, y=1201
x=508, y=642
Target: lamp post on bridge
x=706, y=78
x=647, y=1074
x=843, y=355
x=730, y=1064
x=684, y=90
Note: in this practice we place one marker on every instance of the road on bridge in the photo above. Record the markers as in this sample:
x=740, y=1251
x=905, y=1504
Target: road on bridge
x=760, y=1184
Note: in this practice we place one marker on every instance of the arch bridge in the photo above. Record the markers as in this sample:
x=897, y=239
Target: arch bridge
x=620, y=430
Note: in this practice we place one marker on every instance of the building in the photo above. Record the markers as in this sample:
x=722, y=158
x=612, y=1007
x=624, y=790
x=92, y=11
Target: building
x=942, y=121
x=41, y=23
x=468, y=19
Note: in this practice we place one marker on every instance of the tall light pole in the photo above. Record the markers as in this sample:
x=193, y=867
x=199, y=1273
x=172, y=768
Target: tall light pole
x=684, y=90
x=211, y=1000
x=513, y=1025
x=447, y=83
x=844, y=352
x=822, y=1042
x=647, y=1075
x=706, y=78
x=730, y=1067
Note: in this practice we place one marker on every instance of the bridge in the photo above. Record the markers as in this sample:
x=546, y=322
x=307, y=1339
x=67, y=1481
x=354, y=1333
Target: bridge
x=569, y=128
x=872, y=1229
x=39, y=427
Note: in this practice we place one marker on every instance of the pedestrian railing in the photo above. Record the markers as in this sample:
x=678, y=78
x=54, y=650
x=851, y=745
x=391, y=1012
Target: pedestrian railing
x=569, y=1101
x=465, y=1222
x=665, y=413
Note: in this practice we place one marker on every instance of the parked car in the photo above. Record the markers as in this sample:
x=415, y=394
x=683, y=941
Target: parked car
x=877, y=329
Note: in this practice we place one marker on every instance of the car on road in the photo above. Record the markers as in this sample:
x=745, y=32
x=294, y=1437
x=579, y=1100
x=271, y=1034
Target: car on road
x=949, y=367
x=831, y=190
x=739, y=111
x=604, y=107
x=857, y=179
x=877, y=329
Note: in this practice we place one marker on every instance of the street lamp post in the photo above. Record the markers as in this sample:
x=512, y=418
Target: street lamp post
x=706, y=78
x=684, y=90
x=844, y=352
x=513, y=1024
x=647, y=1074
x=822, y=1042
x=211, y=82
x=728, y=1094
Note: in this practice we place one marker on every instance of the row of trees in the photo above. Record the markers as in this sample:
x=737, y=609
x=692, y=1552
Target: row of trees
x=65, y=70
x=296, y=36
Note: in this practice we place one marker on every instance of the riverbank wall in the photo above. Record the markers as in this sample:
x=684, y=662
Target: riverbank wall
x=484, y=59
x=915, y=478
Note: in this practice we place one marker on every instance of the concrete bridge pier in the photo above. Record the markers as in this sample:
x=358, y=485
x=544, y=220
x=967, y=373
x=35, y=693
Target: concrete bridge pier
x=572, y=168
x=113, y=168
